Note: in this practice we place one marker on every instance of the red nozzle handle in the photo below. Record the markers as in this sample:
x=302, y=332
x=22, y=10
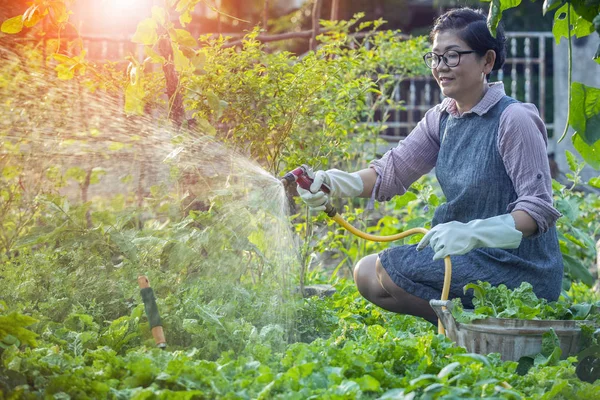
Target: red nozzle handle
x=304, y=177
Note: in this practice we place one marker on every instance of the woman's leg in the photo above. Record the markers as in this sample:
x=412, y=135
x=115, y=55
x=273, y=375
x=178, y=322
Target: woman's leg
x=375, y=285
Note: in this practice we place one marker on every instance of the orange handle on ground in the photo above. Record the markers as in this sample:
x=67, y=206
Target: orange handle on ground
x=157, y=331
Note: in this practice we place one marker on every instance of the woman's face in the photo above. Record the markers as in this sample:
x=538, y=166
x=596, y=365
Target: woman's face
x=466, y=80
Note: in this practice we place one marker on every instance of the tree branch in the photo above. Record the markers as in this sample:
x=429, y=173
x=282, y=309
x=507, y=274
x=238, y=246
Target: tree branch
x=316, y=16
x=275, y=38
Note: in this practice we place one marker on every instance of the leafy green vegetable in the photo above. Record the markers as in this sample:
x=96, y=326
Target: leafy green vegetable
x=13, y=329
x=520, y=303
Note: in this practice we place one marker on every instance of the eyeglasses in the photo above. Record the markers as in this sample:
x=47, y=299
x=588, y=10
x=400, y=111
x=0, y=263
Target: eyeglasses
x=451, y=58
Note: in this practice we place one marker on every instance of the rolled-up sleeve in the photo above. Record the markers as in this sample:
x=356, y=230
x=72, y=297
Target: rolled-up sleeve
x=414, y=156
x=522, y=141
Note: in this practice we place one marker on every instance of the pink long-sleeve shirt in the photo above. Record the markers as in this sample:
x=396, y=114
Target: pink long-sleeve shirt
x=522, y=141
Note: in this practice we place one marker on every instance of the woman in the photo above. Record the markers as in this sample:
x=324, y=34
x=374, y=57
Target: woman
x=489, y=154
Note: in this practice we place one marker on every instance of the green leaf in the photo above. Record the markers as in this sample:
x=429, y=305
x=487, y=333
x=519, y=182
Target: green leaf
x=575, y=240
x=595, y=182
x=571, y=160
x=13, y=25
x=590, y=154
x=15, y=324
x=448, y=369
x=146, y=32
x=433, y=200
x=578, y=270
x=581, y=311
x=402, y=201
x=550, y=5
x=11, y=171
x=568, y=208
x=478, y=291
x=549, y=342
x=154, y=56
x=33, y=15
x=580, y=27
x=127, y=248
x=159, y=15
x=68, y=66
x=470, y=357
x=59, y=9
x=495, y=13
x=524, y=365
x=185, y=8
x=134, y=98
x=184, y=38
x=368, y=384
x=585, y=112
x=182, y=63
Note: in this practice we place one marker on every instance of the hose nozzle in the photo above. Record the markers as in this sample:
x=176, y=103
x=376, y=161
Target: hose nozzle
x=304, y=177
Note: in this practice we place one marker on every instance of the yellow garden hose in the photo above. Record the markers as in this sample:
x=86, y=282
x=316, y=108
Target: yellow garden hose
x=330, y=210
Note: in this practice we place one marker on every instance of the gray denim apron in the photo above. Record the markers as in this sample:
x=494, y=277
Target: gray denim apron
x=476, y=185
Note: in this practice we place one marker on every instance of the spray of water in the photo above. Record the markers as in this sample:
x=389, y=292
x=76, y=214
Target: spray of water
x=214, y=214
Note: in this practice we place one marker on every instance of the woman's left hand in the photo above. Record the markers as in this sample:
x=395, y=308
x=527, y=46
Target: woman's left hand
x=456, y=238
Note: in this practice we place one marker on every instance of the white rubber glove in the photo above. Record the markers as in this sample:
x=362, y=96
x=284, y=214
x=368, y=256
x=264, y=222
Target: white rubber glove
x=340, y=183
x=455, y=238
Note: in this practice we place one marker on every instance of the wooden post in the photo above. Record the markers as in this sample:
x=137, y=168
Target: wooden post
x=265, y=22
x=335, y=8
x=316, y=16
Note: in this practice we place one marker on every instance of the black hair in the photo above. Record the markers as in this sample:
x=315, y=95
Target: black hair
x=471, y=27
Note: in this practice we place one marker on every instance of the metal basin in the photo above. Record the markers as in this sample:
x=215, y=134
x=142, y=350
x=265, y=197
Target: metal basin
x=512, y=338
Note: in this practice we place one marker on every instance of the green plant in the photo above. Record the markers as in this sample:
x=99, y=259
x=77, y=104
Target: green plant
x=577, y=229
x=520, y=303
x=580, y=18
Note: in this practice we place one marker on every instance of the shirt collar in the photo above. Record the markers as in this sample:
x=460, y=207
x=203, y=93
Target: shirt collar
x=494, y=93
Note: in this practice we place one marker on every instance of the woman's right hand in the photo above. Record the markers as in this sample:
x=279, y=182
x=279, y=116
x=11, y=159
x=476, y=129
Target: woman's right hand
x=341, y=184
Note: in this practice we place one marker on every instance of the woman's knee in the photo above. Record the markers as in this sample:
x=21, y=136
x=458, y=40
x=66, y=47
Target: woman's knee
x=365, y=277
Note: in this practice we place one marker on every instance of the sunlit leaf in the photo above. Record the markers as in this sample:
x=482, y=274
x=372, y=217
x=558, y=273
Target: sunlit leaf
x=184, y=38
x=550, y=5
x=61, y=14
x=146, y=32
x=134, y=99
x=182, y=63
x=198, y=61
x=13, y=25
x=33, y=15
x=154, y=56
x=159, y=15
x=580, y=26
x=185, y=18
